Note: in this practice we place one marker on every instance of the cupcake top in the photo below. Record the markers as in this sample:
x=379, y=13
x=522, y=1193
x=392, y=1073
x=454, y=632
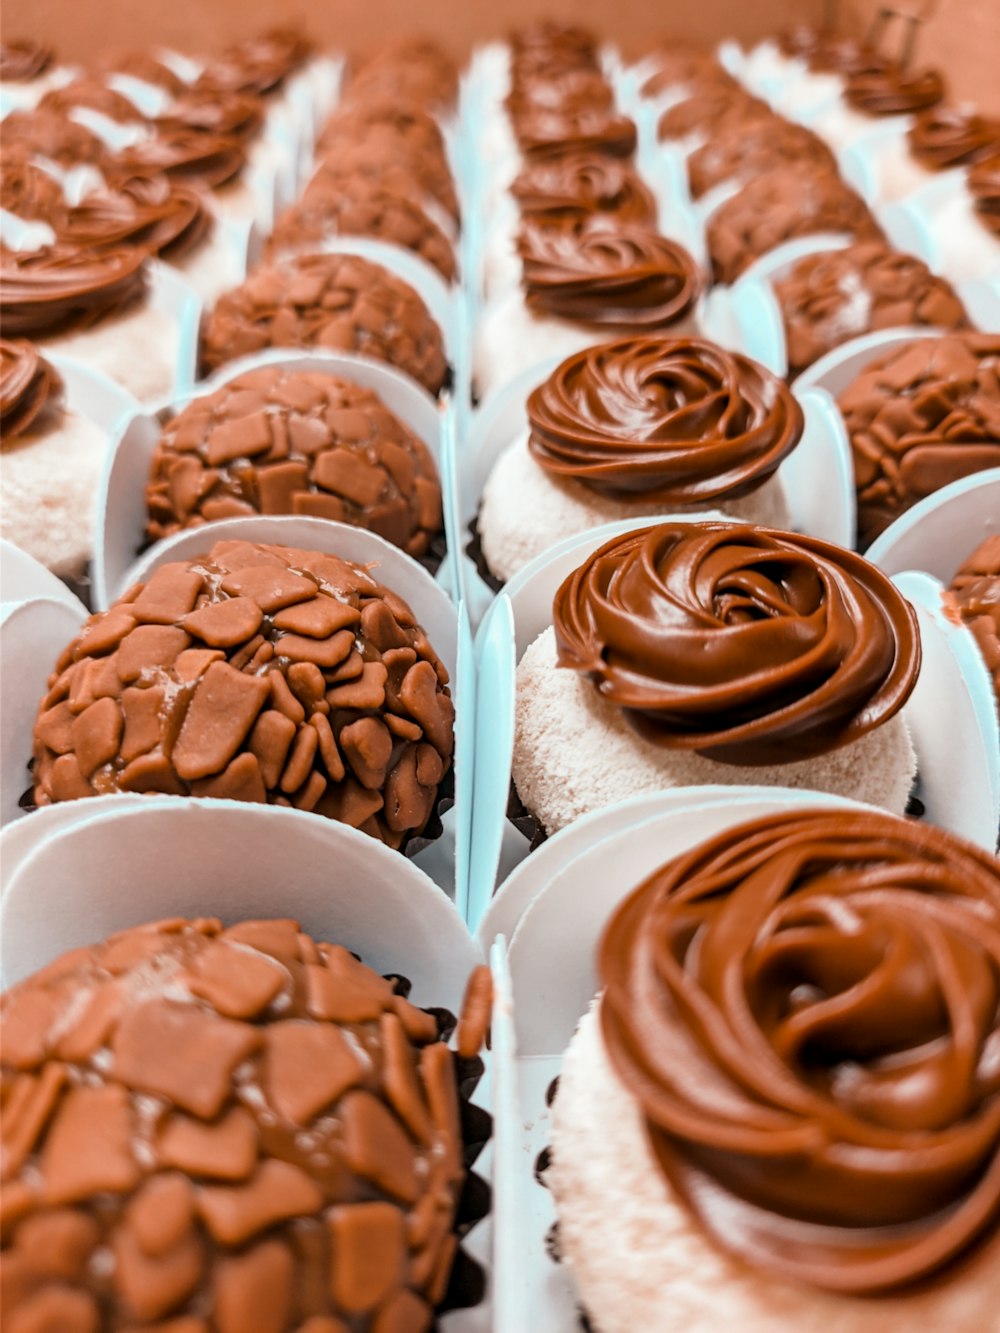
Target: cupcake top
x=545, y=131
x=52, y=134
x=145, y=67
x=385, y=145
x=580, y=183
x=192, y=156
x=740, y=149
x=747, y=645
x=975, y=590
x=792, y=201
x=984, y=186
x=819, y=989
x=952, y=136
x=294, y=442
x=239, y=114
x=609, y=275
x=893, y=90
x=239, y=1115
x=61, y=286
x=254, y=673
x=338, y=204
x=413, y=67
x=682, y=62
x=705, y=109
x=92, y=95
x=26, y=189
x=256, y=64
x=153, y=213
x=827, y=298
x=21, y=61
x=341, y=302
x=668, y=420
x=30, y=389
x=918, y=418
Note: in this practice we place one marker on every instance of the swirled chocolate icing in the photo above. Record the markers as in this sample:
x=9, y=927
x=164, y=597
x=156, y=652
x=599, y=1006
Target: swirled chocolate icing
x=94, y=95
x=805, y=1009
x=186, y=155
x=893, y=90
x=747, y=645
x=257, y=64
x=975, y=590
x=144, y=67
x=740, y=149
x=583, y=182
x=52, y=134
x=984, y=186
x=29, y=386
x=25, y=189
x=239, y=114
x=61, y=286
x=551, y=131
x=669, y=420
x=952, y=136
x=610, y=275
x=22, y=61
x=682, y=63
x=151, y=212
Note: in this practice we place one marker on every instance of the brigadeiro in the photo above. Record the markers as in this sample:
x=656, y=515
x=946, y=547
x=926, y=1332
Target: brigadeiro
x=295, y=442
x=828, y=298
x=740, y=149
x=874, y=93
x=710, y=652
x=254, y=673
x=781, y=1112
x=228, y=1128
x=340, y=302
x=943, y=138
x=786, y=203
x=918, y=418
x=636, y=427
x=975, y=590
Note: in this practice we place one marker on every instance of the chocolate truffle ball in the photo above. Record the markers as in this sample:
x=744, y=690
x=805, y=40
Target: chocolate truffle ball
x=295, y=442
x=254, y=673
x=341, y=302
x=224, y=1129
x=976, y=591
x=828, y=298
x=919, y=418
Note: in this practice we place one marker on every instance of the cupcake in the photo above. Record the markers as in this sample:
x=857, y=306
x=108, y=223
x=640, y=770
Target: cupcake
x=413, y=68
x=28, y=71
x=51, y=461
x=740, y=150
x=925, y=415
x=579, y=287
x=254, y=673
x=259, y=64
x=294, y=442
x=340, y=302
x=92, y=306
x=228, y=1126
x=874, y=93
x=635, y=427
x=26, y=189
x=775, y=1115
x=944, y=138
x=696, y=653
x=52, y=135
x=828, y=298
x=975, y=591
x=700, y=116
x=787, y=203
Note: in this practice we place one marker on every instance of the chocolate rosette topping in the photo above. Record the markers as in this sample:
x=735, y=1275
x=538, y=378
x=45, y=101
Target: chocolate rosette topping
x=146, y=68
x=186, y=155
x=580, y=183
x=257, y=64
x=952, y=136
x=609, y=275
x=92, y=95
x=893, y=91
x=570, y=92
x=52, y=134
x=975, y=590
x=22, y=61
x=984, y=186
x=61, y=286
x=672, y=421
x=551, y=131
x=151, y=212
x=739, y=150
x=29, y=386
x=805, y=1009
x=238, y=114
x=26, y=189
x=747, y=645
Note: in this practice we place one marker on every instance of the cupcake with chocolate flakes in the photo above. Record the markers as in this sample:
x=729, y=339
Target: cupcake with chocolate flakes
x=93, y=306
x=738, y=150
x=975, y=591
x=636, y=427
x=696, y=653
x=828, y=298
x=778, y=1114
x=580, y=286
x=28, y=190
x=919, y=418
x=254, y=673
x=783, y=205
x=51, y=461
x=341, y=302
x=295, y=442
x=231, y=1127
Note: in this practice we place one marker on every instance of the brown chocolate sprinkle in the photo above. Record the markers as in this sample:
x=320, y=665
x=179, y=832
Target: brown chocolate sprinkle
x=254, y=673
x=295, y=442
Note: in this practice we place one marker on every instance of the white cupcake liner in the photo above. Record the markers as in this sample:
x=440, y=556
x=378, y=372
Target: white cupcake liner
x=938, y=534
x=924, y=223
x=22, y=578
x=841, y=366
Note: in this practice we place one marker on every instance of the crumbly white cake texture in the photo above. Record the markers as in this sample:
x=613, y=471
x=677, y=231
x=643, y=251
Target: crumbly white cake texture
x=138, y=349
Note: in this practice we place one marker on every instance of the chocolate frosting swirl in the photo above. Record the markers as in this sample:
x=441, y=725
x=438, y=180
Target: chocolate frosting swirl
x=805, y=1009
x=984, y=186
x=188, y=155
x=29, y=386
x=609, y=275
x=740, y=149
x=151, y=212
x=22, y=61
x=239, y=114
x=672, y=421
x=583, y=182
x=25, y=189
x=52, y=134
x=144, y=67
x=748, y=645
x=61, y=286
x=952, y=136
x=544, y=132
x=256, y=64
x=892, y=91
x=94, y=96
